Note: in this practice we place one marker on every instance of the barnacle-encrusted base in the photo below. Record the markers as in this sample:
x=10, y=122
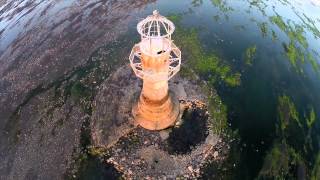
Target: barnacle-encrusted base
x=156, y=115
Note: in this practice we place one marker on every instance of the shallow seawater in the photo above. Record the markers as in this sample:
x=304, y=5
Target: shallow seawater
x=269, y=51
x=275, y=46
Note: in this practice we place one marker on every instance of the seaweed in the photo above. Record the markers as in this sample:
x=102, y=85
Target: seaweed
x=281, y=162
x=249, y=55
x=315, y=174
x=207, y=64
x=287, y=112
x=263, y=28
x=286, y=157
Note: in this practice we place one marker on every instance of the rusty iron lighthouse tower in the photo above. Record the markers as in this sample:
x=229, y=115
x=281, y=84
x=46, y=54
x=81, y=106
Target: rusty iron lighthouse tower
x=155, y=59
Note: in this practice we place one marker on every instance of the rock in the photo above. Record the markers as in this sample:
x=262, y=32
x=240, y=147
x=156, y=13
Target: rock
x=181, y=93
x=197, y=171
x=190, y=168
x=215, y=154
x=212, y=139
x=164, y=134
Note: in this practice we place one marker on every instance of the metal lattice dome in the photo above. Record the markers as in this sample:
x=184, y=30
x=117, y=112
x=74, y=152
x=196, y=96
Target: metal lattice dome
x=156, y=43
x=155, y=26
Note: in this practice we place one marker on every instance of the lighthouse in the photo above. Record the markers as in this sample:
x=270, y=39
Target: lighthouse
x=155, y=59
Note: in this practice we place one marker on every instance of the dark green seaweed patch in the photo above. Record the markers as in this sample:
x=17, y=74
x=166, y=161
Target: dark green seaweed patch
x=316, y=169
x=297, y=48
x=287, y=112
x=222, y=5
x=286, y=157
x=250, y=53
x=196, y=3
x=208, y=65
x=263, y=28
x=281, y=162
x=274, y=36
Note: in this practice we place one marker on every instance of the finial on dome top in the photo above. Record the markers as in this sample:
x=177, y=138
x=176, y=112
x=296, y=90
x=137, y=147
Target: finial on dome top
x=155, y=12
x=155, y=25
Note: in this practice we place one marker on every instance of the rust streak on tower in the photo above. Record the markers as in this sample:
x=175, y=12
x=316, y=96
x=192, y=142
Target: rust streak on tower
x=155, y=59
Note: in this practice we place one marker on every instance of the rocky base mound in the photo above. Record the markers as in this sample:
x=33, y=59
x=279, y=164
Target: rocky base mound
x=132, y=152
x=175, y=152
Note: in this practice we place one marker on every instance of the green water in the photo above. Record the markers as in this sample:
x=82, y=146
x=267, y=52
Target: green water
x=263, y=59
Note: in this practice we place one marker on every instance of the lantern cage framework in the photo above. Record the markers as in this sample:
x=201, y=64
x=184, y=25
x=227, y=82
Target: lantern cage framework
x=155, y=32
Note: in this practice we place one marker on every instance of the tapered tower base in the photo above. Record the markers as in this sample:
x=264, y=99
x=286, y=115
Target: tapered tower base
x=156, y=115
